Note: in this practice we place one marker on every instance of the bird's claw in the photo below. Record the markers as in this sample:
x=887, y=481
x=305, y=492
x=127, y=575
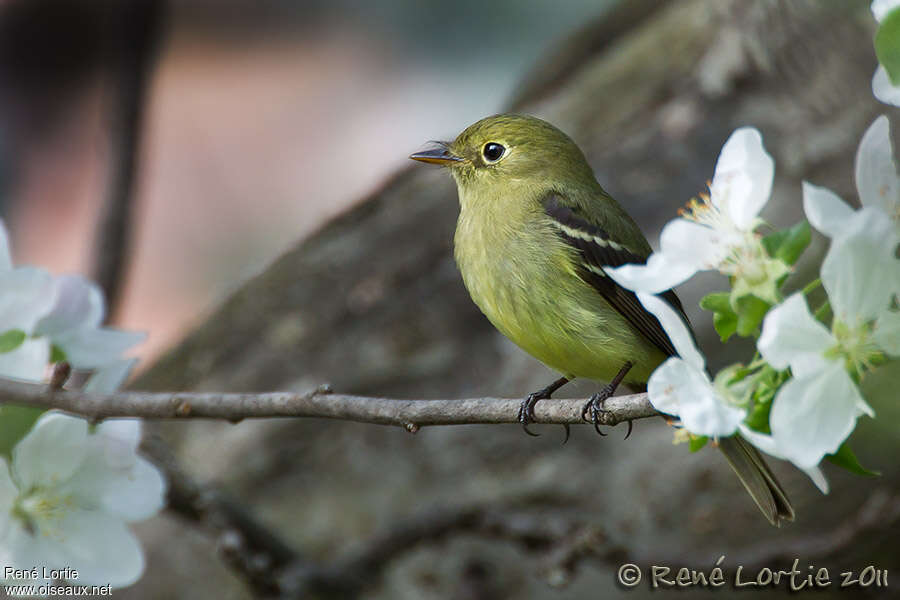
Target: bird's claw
x=525, y=415
x=593, y=411
x=526, y=412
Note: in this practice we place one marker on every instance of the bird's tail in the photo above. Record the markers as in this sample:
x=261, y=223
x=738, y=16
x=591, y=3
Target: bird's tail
x=758, y=479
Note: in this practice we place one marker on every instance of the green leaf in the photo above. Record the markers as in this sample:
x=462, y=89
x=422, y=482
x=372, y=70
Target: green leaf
x=56, y=354
x=10, y=340
x=845, y=458
x=750, y=312
x=697, y=441
x=887, y=45
x=724, y=318
x=758, y=418
x=15, y=422
x=772, y=242
x=725, y=324
x=716, y=302
x=788, y=244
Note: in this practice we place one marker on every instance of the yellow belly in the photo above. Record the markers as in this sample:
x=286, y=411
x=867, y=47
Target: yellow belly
x=528, y=287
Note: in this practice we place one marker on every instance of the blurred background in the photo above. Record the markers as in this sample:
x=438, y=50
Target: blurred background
x=234, y=173
x=259, y=121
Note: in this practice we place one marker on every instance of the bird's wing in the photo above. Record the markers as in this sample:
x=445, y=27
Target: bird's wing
x=597, y=251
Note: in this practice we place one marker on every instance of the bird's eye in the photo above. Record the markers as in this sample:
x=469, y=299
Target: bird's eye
x=493, y=152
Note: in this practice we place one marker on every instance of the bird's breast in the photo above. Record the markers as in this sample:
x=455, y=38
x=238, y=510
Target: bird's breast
x=525, y=280
x=502, y=267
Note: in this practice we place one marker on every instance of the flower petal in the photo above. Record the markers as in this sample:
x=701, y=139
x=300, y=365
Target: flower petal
x=79, y=303
x=675, y=328
x=658, y=275
x=141, y=496
x=863, y=408
x=113, y=478
x=876, y=172
x=813, y=414
x=791, y=337
x=109, y=378
x=120, y=436
x=685, y=248
x=860, y=272
x=743, y=178
x=5, y=256
x=51, y=451
x=674, y=383
x=883, y=89
x=825, y=209
x=91, y=348
x=8, y=494
x=702, y=247
x=766, y=443
x=712, y=417
x=127, y=486
x=679, y=389
x=818, y=478
x=28, y=361
x=23, y=550
x=28, y=295
x=100, y=547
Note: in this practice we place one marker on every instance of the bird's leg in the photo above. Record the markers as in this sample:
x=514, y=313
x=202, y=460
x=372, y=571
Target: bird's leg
x=526, y=409
x=594, y=406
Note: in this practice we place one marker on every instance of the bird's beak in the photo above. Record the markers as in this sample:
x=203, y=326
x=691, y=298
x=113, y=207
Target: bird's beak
x=437, y=156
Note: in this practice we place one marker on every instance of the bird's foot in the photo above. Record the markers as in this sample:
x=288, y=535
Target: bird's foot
x=593, y=411
x=526, y=410
x=525, y=415
x=594, y=406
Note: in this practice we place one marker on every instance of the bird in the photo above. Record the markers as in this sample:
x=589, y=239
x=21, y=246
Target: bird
x=535, y=234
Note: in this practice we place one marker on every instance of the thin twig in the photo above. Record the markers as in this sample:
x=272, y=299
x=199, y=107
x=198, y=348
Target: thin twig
x=320, y=402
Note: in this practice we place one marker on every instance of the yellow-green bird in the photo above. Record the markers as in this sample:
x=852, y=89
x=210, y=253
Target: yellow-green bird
x=534, y=235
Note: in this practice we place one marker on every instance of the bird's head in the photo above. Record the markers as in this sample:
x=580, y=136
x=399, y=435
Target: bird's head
x=504, y=150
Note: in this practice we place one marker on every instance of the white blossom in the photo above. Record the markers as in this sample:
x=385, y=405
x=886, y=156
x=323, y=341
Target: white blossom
x=814, y=412
x=68, y=495
x=877, y=184
x=717, y=232
x=64, y=311
x=73, y=325
x=681, y=386
x=26, y=295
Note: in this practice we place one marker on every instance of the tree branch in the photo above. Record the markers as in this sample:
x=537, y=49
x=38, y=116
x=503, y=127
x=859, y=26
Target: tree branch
x=320, y=402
